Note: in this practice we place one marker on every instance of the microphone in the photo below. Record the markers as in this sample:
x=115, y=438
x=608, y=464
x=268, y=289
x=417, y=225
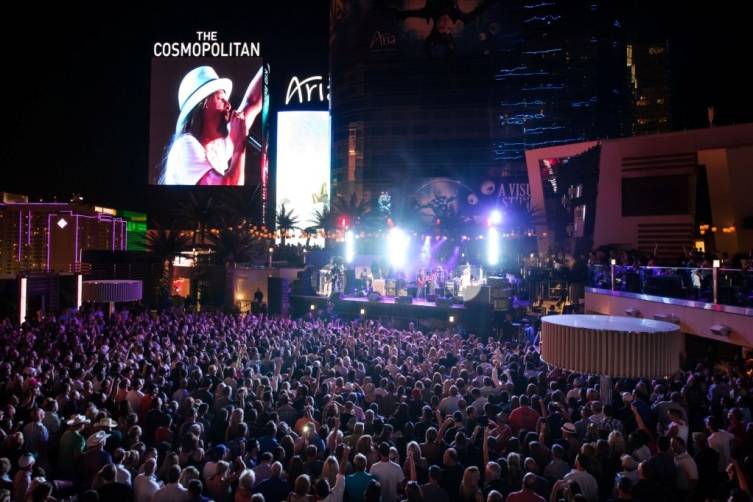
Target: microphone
x=255, y=143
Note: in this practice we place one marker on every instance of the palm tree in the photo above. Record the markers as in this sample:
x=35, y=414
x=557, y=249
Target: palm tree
x=165, y=245
x=232, y=245
x=286, y=221
x=324, y=221
x=198, y=212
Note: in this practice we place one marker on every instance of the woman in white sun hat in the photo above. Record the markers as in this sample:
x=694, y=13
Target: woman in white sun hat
x=209, y=145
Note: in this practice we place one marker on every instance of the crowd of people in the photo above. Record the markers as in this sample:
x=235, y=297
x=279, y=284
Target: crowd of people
x=175, y=406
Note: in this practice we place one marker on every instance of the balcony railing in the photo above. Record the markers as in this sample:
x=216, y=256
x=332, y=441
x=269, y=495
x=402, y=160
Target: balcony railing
x=709, y=285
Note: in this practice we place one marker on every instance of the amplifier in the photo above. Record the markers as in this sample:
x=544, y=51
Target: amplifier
x=501, y=293
x=497, y=282
x=502, y=304
x=444, y=302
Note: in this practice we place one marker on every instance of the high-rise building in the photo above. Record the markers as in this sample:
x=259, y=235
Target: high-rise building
x=50, y=236
x=461, y=90
x=649, y=84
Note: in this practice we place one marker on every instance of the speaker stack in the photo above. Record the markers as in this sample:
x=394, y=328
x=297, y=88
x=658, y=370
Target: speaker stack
x=404, y=300
x=375, y=297
x=444, y=302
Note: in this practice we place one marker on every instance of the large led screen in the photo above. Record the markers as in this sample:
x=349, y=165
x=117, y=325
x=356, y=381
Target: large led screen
x=205, y=121
x=303, y=165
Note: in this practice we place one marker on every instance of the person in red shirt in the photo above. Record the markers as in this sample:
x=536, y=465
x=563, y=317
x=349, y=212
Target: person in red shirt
x=523, y=417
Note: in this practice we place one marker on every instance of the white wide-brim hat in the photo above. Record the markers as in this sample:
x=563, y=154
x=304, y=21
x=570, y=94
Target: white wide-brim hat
x=77, y=420
x=96, y=439
x=26, y=460
x=197, y=85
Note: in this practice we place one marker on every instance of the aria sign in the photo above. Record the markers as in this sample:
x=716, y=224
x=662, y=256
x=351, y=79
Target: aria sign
x=306, y=90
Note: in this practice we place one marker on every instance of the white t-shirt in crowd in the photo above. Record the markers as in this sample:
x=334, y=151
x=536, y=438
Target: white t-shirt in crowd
x=144, y=487
x=720, y=441
x=589, y=487
x=336, y=492
x=687, y=470
x=682, y=430
x=390, y=475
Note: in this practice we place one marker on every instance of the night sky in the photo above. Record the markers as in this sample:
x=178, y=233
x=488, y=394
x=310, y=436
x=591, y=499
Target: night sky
x=79, y=96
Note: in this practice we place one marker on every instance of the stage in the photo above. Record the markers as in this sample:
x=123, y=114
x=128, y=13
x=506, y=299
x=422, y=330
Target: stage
x=472, y=317
x=392, y=300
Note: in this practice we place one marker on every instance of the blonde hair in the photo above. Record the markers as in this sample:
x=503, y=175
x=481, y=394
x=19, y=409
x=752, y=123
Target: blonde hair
x=617, y=442
x=302, y=485
x=413, y=445
x=330, y=469
x=471, y=476
x=514, y=469
x=247, y=479
x=364, y=444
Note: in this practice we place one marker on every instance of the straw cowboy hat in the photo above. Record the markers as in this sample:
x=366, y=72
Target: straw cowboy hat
x=198, y=84
x=107, y=422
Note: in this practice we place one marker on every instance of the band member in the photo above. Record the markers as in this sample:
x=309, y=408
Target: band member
x=366, y=280
x=466, y=278
x=338, y=279
x=439, y=279
x=421, y=284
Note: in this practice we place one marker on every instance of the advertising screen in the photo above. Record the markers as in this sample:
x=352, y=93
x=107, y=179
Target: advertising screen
x=206, y=120
x=303, y=165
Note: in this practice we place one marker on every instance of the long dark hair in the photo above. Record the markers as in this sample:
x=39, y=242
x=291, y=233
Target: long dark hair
x=193, y=125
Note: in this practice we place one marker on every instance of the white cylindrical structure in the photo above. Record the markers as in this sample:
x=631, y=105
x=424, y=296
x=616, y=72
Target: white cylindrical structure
x=615, y=346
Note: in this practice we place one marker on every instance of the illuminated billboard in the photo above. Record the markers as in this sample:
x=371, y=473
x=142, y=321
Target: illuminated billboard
x=205, y=120
x=303, y=165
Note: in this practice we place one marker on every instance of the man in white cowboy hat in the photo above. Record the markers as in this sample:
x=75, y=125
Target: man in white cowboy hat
x=109, y=427
x=209, y=146
x=71, y=446
x=95, y=456
x=22, y=479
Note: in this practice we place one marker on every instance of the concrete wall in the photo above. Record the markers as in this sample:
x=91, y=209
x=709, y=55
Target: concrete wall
x=693, y=320
x=246, y=280
x=727, y=153
x=730, y=175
